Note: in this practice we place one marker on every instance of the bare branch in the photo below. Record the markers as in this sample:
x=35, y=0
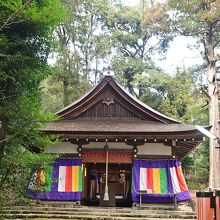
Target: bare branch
x=13, y=16
x=217, y=57
x=13, y=22
x=4, y=177
x=205, y=92
x=5, y=55
x=216, y=21
x=8, y=97
x=207, y=103
x=216, y=43
x=9, y=137
x=185, y=33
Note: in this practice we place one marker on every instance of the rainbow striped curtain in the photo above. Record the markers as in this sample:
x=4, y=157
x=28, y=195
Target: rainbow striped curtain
x=70, y=179
x=161, y=179
x=62, y=181
x=154, y=179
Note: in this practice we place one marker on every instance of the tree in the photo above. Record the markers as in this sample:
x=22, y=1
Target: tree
x=87, y=36
x=136, y=40
x=25, y=42
x=174, y=95
x=200, y=19
x=83, y=48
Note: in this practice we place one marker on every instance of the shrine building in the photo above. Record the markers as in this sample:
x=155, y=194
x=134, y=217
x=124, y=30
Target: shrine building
x=116, y=148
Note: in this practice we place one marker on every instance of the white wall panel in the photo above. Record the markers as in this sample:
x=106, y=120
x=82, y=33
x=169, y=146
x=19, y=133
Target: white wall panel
x=154, y=149
x=63, y=147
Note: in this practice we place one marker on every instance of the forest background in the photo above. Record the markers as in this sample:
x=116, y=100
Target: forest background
x=84, y=39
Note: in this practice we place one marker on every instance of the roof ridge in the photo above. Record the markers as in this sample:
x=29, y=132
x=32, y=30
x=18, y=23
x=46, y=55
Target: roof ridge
x=109, y=80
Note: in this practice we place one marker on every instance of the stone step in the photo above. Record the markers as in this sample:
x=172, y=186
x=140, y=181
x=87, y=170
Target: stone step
x=97, y=209
x=72, y=204
x=60, y=203
x=113, y=214
x=76, y=217
x=48, y=211
x=137, y=214
x=92, y=211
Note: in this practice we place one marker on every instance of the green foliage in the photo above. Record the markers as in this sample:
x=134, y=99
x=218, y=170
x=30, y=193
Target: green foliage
x=82, y=47
x=196, y=167
x=25, y=42
x=127, y=70
x=175, y=96
x=136, y=38
x=52, y=92
x=41, y=11
x=200, y=19
x=21, y=164
x=193, y=17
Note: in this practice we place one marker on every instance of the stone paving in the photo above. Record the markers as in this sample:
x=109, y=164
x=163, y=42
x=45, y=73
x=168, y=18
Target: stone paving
x=71, y=211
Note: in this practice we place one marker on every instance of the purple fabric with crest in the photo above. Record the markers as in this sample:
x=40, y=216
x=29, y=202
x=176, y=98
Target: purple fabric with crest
x=156, y=198
x=54, y=194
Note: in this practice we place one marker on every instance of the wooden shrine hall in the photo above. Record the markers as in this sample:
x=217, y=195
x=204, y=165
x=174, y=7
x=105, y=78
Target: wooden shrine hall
x=116, y=146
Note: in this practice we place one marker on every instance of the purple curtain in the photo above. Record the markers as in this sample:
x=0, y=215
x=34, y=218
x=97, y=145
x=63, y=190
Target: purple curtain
x=54, y=194
x=152, y=197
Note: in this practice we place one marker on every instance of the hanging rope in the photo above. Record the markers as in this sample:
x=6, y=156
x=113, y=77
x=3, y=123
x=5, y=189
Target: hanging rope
x=106, y=195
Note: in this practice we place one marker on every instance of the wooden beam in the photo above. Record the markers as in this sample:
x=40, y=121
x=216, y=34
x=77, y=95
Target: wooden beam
x=154, y=157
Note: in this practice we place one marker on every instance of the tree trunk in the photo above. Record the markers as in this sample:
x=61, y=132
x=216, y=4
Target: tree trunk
x=214, y=166
x=85, y=87
x=96, y=70
x=87, y=66
x=65, y=76
x=214, y=159
x=65, y=91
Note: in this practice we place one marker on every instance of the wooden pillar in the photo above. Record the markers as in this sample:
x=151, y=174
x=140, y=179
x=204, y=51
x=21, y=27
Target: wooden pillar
x=85, y=182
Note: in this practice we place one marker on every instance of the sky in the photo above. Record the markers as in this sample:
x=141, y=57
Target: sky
x=182, y=54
